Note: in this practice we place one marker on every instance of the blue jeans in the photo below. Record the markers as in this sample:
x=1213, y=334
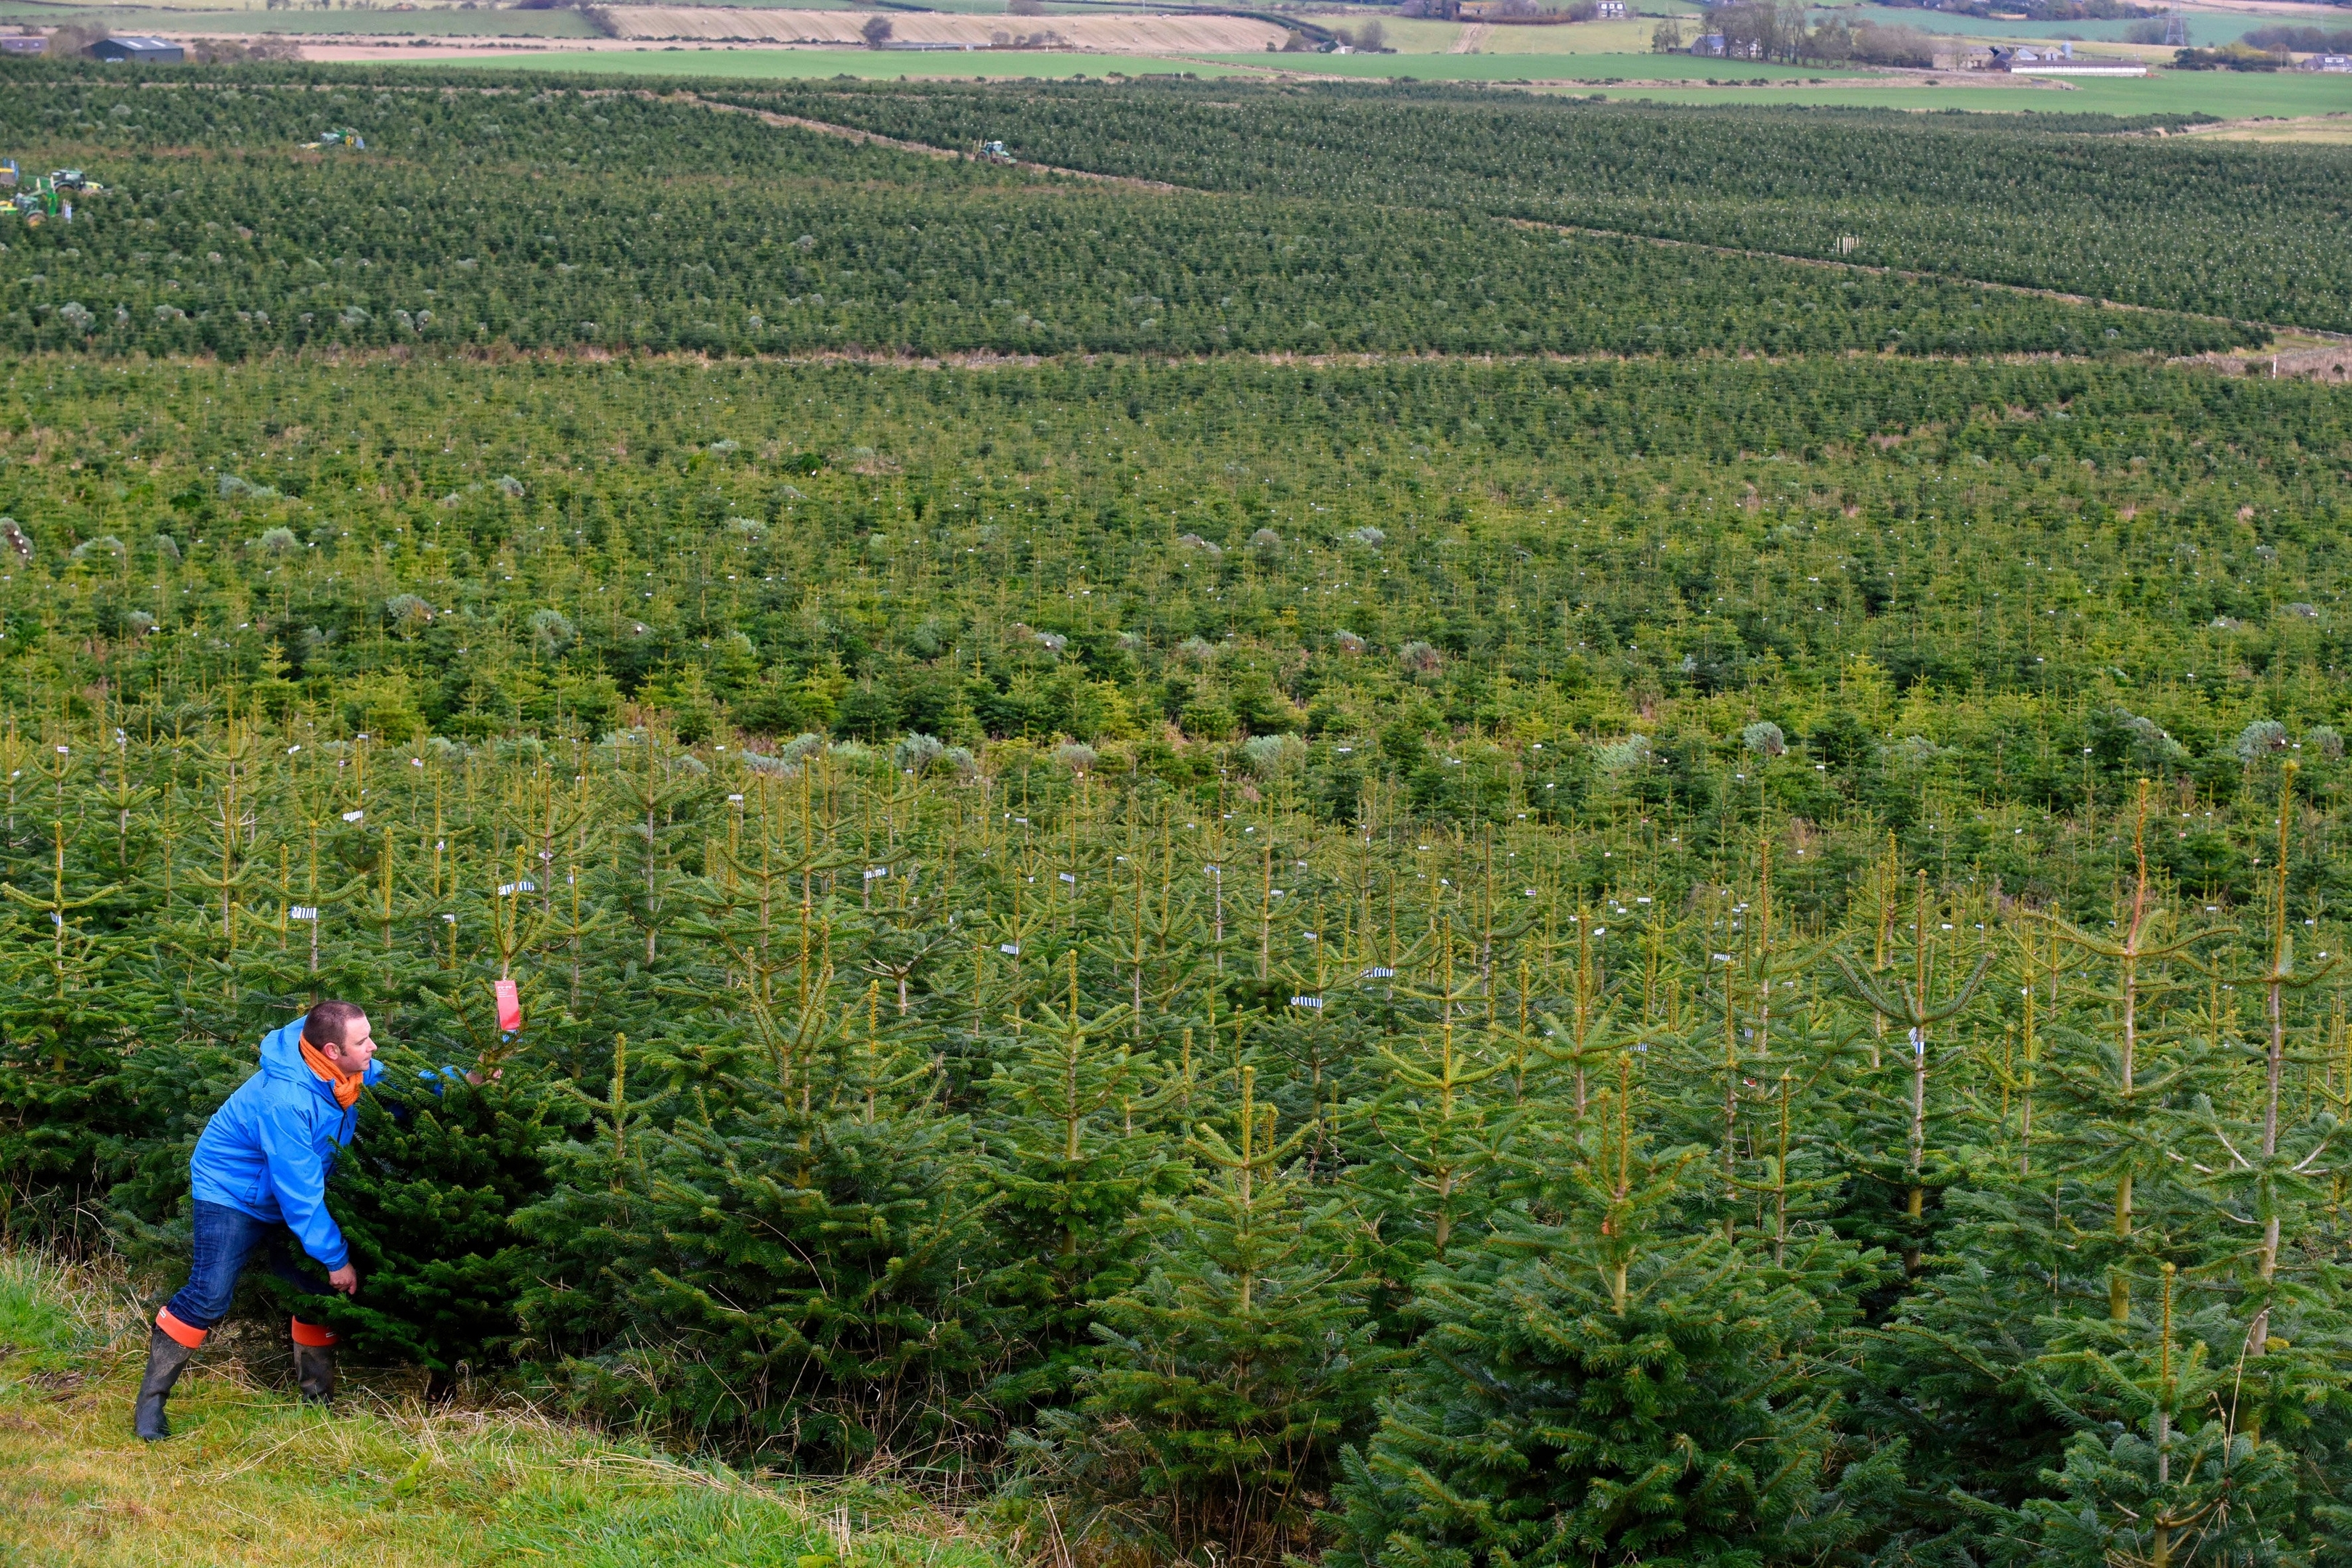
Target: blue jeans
x=226, y=1240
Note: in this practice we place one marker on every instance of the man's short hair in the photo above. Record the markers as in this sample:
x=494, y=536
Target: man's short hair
x=330, y=1023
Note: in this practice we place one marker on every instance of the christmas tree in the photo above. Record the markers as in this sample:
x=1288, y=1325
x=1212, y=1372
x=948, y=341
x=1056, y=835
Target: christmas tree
x=1230, y=1375
x=1601, y=1383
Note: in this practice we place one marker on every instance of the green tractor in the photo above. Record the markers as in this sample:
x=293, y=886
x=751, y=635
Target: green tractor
x=338, y=136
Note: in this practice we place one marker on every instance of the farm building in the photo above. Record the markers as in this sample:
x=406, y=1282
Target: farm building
x=145, y=51
x=2328, y=63
x=1714, y=47
x=33, y=46
x=2060, y=60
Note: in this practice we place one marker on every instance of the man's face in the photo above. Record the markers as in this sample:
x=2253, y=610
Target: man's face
x=358, y=1048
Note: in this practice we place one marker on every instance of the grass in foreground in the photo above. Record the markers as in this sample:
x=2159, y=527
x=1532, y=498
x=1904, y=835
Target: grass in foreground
x=253, y=1477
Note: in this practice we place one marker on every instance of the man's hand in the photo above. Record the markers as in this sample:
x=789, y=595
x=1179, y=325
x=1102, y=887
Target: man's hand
x=346, y=1280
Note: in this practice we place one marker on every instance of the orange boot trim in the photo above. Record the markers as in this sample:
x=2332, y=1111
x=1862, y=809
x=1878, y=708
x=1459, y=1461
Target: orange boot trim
x=186, y=1333
x=317, y=1336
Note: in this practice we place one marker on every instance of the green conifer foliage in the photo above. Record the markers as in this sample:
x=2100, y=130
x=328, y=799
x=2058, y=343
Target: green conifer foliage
x=1230, y=1375
x=1432, y=1141
x=446, y=1159
x=933, y=815
x=1602, y=1385
x=2258, y=1157
x=2118, y=1085
x=1075, y=1157
x=69, y=1002
x=789, y=1261
x=1896, y=1110
x=2174, y=1481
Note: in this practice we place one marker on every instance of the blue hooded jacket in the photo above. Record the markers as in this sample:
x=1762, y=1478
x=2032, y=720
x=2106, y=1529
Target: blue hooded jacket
x=266, y=1152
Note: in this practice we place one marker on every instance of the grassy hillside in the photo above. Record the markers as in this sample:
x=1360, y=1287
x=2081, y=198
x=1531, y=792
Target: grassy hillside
x=252, y=1477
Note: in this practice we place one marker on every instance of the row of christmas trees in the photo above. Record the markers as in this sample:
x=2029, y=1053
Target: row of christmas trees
x=1201, y=1172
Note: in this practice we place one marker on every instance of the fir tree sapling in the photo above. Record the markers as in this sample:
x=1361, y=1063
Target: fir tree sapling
x=786, y=1260
x=1229, y=1376
x=1913, y=1004
x=2173, y=1481
x=1434, y=1137
x=1954, y=1370
x=69, y=997
x=443, y=1160
x=2262, y=1163
x=1602, y=1381
x=1072, y=1172
x=2120, y=1109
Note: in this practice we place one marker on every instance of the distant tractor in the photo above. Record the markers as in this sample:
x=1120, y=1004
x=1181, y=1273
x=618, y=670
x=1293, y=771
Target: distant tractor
x=994, y=153
x=40, y=198
x=339, y=136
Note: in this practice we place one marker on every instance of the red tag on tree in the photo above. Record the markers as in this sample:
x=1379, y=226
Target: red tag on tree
x=509, y=1005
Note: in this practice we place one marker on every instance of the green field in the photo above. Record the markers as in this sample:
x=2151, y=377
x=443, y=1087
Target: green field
x=2227, y=95
x=1015, y=65
x=1331, y=824
x=1631, y=36
x=432, y=19
x=2222, y=94
x=1498, y=68
x=2205, y=27
x=799, y=65
x=438, y=21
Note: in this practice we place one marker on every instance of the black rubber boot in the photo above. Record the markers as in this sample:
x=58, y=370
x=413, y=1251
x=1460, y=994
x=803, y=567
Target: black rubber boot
x=314, y=1373
x=165, y=1357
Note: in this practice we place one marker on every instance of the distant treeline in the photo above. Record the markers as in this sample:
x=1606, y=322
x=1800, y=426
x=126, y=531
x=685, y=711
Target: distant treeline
x=2302, y=40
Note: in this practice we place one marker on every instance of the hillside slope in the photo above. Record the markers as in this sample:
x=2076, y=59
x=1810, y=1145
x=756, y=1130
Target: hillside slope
x=254, y=1478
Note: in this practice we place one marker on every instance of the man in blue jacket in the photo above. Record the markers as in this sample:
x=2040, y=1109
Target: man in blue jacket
x=260, y=1177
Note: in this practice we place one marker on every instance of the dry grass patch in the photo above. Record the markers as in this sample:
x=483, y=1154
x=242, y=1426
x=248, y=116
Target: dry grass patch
x=252, y=1477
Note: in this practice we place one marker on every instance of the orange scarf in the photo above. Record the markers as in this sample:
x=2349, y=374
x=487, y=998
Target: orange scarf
x=347, y=1084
